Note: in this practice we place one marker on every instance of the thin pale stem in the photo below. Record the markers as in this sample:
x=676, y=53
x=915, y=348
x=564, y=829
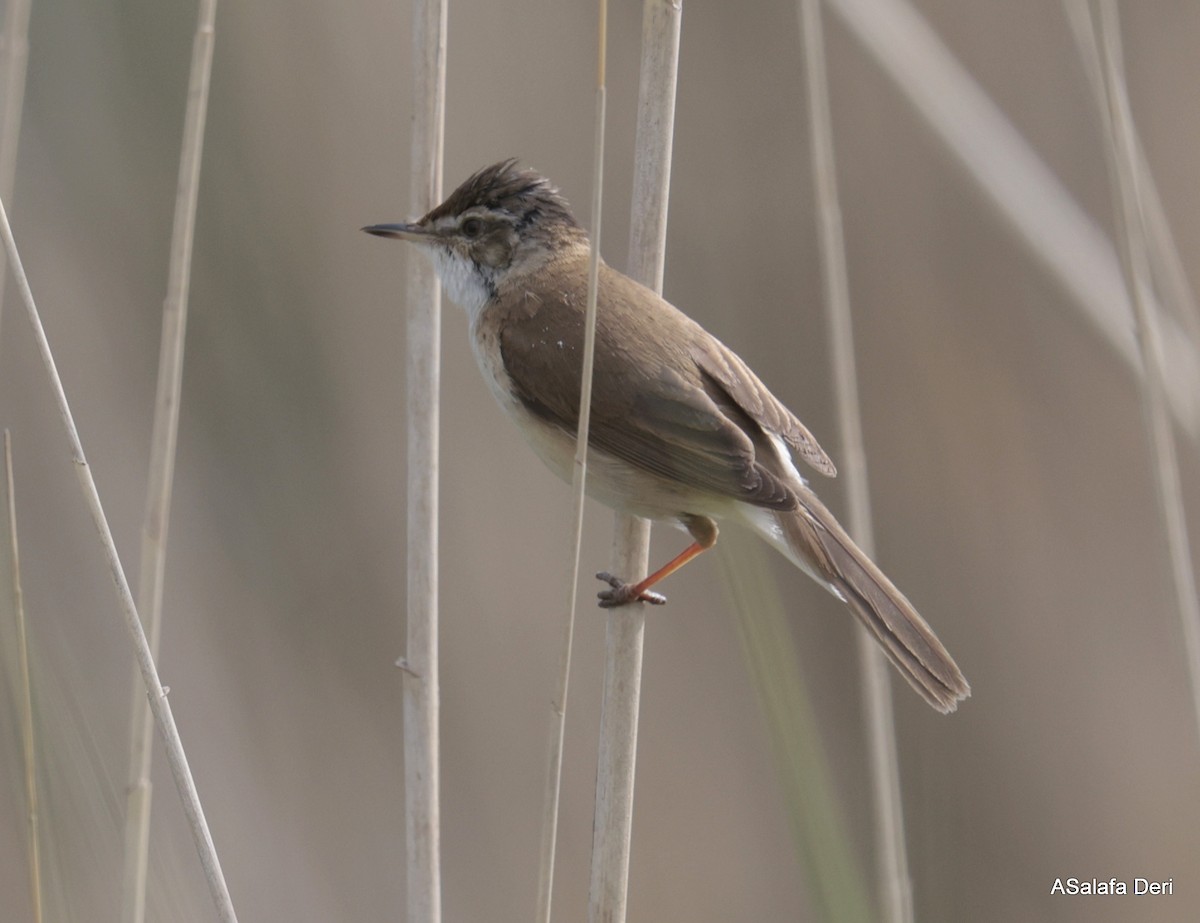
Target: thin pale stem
x=1166, y=265
x=1129, y=199
x=613, y=821
x=616, y=760
x=423, y=295
x=176, y=758
x=895, y=886
x=27, y=728
x=162, y=463
x=1054, y=228
x=16, y=58
x=558, y=705
x=661, y=22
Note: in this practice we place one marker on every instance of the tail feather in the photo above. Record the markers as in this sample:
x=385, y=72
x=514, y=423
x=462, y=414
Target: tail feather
x=816, y=541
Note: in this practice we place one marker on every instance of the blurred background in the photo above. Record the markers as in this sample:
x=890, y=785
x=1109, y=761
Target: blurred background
x=1009, y=470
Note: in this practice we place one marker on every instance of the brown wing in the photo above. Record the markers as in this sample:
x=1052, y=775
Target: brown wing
x=726, y=369
x=651, y=402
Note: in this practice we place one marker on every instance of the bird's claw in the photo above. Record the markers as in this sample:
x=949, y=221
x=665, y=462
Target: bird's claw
x=622, y=593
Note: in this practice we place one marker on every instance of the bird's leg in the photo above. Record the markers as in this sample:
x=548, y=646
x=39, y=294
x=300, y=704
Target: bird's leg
x=702, y=529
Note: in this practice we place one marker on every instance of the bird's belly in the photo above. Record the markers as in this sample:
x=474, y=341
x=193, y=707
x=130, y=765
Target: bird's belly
x=614, y=482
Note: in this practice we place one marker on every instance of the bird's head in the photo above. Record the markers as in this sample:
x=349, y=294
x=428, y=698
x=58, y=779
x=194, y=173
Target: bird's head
x=502, y=222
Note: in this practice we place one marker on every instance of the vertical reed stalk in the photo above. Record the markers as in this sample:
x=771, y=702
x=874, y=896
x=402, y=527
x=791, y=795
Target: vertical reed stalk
x=1127, y=193
x=1166, y=265
x=626, y=625
x=159, y=705
x=27, y=738
x=16, y=57
x=558, y=705
x=162, y=463
x=423, y=297
x=1059, y=234
x=895, y=887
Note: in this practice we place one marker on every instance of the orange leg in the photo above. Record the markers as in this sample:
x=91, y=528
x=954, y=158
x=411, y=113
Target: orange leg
x=703, y=530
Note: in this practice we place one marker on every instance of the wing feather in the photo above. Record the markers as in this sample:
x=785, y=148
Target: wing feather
x=725, y=368
x=679, y=405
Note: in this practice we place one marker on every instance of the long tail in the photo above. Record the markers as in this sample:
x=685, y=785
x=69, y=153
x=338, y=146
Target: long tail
x=814, y=540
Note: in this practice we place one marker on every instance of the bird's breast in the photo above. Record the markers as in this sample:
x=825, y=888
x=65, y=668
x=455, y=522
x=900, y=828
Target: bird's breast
x=611, y=481
x=552, y=445
x=485, y=343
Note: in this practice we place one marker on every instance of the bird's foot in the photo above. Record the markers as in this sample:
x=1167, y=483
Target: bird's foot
x=622, y=593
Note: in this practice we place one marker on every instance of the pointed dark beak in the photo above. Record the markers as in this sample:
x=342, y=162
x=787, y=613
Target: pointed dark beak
x=399, y=231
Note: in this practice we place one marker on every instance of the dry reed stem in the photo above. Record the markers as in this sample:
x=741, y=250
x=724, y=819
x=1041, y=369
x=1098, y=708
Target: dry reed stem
x=1055, y=230
x=558, y=705
x=579, y=486
x=28, y=747
x=1166, y=265
x=16, y=57
x=626, y=626
x=159, y=705
x=1123, y=162
x=423, y=372
x=895, y=885
x=162, y=462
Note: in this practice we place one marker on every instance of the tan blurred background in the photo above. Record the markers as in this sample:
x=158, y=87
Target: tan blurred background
x=1008, y=467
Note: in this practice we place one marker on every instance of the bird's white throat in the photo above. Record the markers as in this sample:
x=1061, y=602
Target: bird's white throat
x=461, y=279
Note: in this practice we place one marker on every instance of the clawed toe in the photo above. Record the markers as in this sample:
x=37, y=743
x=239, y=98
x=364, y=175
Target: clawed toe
x=623, y=593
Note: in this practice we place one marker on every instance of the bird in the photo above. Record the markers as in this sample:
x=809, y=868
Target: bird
x=681, y=429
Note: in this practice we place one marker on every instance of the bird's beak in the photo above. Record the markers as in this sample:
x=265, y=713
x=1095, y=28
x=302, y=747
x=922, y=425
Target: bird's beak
x=414, y=232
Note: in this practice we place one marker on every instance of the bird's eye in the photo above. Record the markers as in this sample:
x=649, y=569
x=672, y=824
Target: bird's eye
x=472, y=227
